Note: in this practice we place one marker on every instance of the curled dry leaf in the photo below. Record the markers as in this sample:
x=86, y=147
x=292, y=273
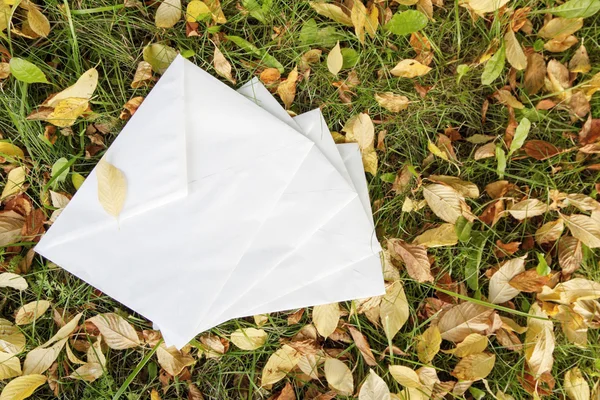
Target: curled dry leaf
x=463, y=319
x=539, y=341
x=409, y=69
x=117, y=332
x=172, y=360
x=393, y=309
x=570, y=291
x=112, y=187
x=500, y=289
x=222, y=66
x=363, y=345
x=326, y=317
x=414, y=257
x=143, y=74
x=580, y=62
x=392, y=102
x=374, y=388
x=428, y=344
x=31, y=311
x=287, y=89
x=474, y=367
x=249, y=338
x=279, y=364
x=465, y=188
x=339, y=376
x=270, y=76
x=22, y=387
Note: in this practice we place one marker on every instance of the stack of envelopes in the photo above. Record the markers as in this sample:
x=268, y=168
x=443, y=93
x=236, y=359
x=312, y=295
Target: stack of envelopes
x=233, y=209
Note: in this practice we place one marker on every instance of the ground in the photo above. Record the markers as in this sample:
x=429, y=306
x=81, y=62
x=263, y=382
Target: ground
x=111, y=38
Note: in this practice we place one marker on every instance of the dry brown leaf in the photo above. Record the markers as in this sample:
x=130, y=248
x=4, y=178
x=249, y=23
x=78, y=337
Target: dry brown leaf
x=393, y=310
x=392, y=102
x=270, y=75
x=222, y=66
x=409, y=69
x=570, y=254
x=363, y=345
x=339, y=376
x=444, y=201
x=535, y=73
x=414, y=257
x=428, y=344
x=279, y=364
x=249, y=338
x=571, y=291
x=539, y=341
x=485, y=151
x=287, y=89
x=326, y=317
x=422, y=47
x=117, y=332
x=172, y=360
x=500, y=289
x=529, y=281
x=560, y=44
x=143, y=74
x=112, y=187
x=474, y=367
x=540, y=149
x=37, y=21
x=463, y=319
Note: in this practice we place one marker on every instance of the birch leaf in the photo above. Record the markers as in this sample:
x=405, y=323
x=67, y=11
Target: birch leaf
x=168, y=13
x=463, y=319
x=428, y=344
x=14, y=182
x=222, y=66
x=22, y=387
x=393, y=310
x=249, y=338
x=405, y=376
x=117, y=332
x=325, y=318
x=514, y=52
x=584, y=228
x=339, y=376
x=8, y=279
x=474, y=367
x=444, y=201
x=279, y=364
x=335, y=60
x=112, y=187
x=409, y=69
x=172, y=360
x=31, y=311
x=500, y=289
x=414, y=257
x=374, y=388
x=10, y=366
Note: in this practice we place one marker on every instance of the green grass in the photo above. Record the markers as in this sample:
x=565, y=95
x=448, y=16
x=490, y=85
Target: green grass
x=98, y=33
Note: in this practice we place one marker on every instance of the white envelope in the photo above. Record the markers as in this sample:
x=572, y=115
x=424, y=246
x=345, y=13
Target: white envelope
x=207, y=170
x=337, y=276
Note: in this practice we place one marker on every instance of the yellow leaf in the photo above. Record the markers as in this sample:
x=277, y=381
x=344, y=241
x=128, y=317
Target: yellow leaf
x=580, y=62
x=500, y=289
x=40, y=359
x=528, y=208
x=372, y=21
x=405, y=376
x=249, y=338
x=71, y=356
x=392, y=102
x=38, y=21
x=159, y=56
x=393, y=310
x=539, y=341
x=172, y=360
x=12, y=339
x=463, y=319
x=22, y=387
x=331, y=11
x=82, y=89
x=261, y=319
x=465, y=188
x=143, y=73
x=409, y=69
x=154, y=395
x=31, y=311
x=339, y=376
x=474, y=367
x=428, y=344
x=196, y=9
x=436, y=151
x=287, y=89
x=473, y=344
x=584, y=228
x=560, y=28
x=570, y=291
x=514, y=53
x=443, y=235
x=335, y=59
x=67, y=111
x=482, y=7
x=88, y=372
x=118, y=333
x=505, y=97
x=279, y=364
x=576, y=386
x=369, y=159
x=222, y=66
x=10, y=366
x=359, y=17
x=374, y=388
x=112, y=187
x=8, y=279
x=65, y=331
x=325, y=318
x=9, y=149
x=168, y=13
x=216, y=11
x=14, y=182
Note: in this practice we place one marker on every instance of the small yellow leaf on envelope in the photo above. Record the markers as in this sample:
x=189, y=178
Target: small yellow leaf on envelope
x=112, y=187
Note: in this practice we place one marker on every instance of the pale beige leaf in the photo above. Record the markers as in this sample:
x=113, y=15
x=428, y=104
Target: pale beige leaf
x=309, y=364
x=570, y=291
x=409, y=69
x=444, y=201
x=560, y=27
x=428, y=344
x=409, y=393
x=392, y=102
x=374, y=388
x=22, y=387
x=539, y=341
x=465, y=188
x=335, y=59
x=117, y=332
x=482, y=7
x=287, y=89
x=94, y=353
x=222, y=66
x=576, y=386
x=339, y=376
x=65, y=331
x=486, y=151
x=168, y=13
x=584, y=228
x=359, y=16
x=527, y=209
x=71, y=356
x=570, y=254
x=172, y=360
x=279, y=364
x=88, y=372
x=582, y=202
x=363, y=345
x=12, y=339
x=331, y=11
x=363, y=131
x=10, y=366
x=473, y=344
x=31, y=311
x=580, y=62
x=325, y=318
x=514, y=52
x=40, y=359
x=14, y=182
x=393, y=310
x=463, y=319
x=261, y=319
x=8, y=279
x=414, y=257
x=143, y=73
x=506, y=98
x=67, y=111
x=443, y=235
x=11, y=226
x=549, y=232
x=372, y=21
x=405, y=376
x=38, y=21
x=112, y=187
x=500, y=289
x=474, y=367
x=82, y=89
x=249, y=338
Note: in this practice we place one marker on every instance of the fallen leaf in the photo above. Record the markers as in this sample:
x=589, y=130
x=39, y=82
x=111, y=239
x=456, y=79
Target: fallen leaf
x=409, y=69
x=222, y=66
x=22, y=387
x=443, y=235
x=88, y=372
x=8, y=279
x=580, y=62
x=539, y=341
x=533, y=80
x=359, y=16
x=10, y=366
x=168, y=13
x=40, y=359
x=196, y=10
x=374, y=388
x=570, y=254
x=582, y=202
x=14, y=182
x=339, y=376
x=12, y=339
x=473, y=344
x=393, y=310
x=562, y=27
x=527, y=209
x=560, y=44
x=405, y=376
x=270, y=76
x=31, y=311
x=117, y=332
x=428, y=344
x=37, y=21
x=414, y=257
x=444, y=201
x=571, y=291
x=287, y=89
x=331, y=11
x=248, y=338
x=172, y=360
x=540, y=149
x=576, y=386
x=474, y=367
x=463, y=319
x=584, y=228
x=335, y=60
x=500, y=289
x=514, y=53
x=485, y=151
x=363, y=345
x=112, y=187
x=159, y=56
x=505, y=97
x=82, y=89
x=465, y=188
x=143, y=73
x=482, y=7
x=279, y=364
x=325, y=318
x=392, y=102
